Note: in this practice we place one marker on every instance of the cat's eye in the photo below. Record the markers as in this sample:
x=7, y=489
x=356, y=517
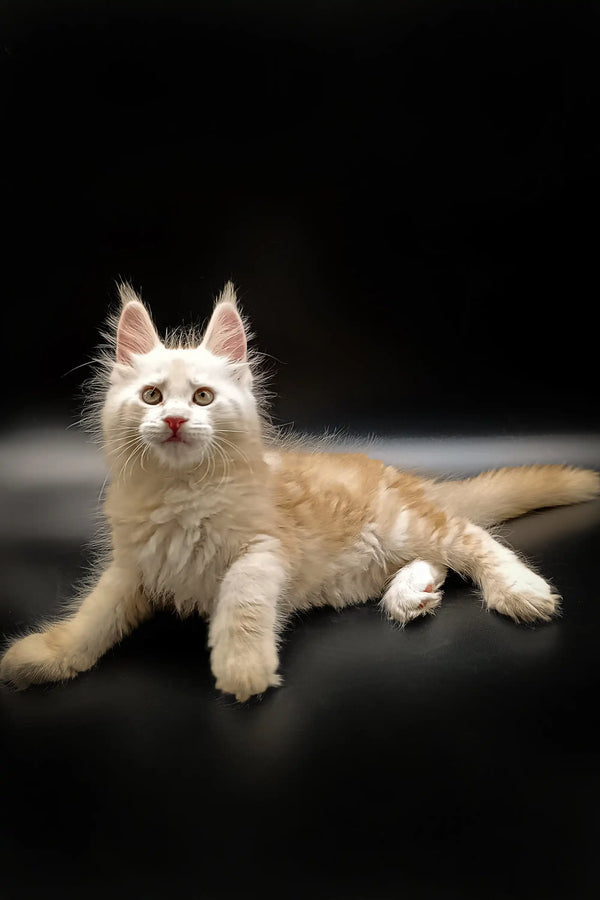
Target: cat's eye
x=152, y=395
x=203, y=396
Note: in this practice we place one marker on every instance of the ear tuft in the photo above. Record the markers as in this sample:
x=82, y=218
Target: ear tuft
x=135, y=332
x=225, y=335
x=127, y=293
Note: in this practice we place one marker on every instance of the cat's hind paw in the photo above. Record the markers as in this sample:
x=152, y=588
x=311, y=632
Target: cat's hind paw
x=525, y=597
x=414, y=591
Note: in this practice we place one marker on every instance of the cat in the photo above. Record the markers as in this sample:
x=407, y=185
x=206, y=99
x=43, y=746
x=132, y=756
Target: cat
x=208, y=513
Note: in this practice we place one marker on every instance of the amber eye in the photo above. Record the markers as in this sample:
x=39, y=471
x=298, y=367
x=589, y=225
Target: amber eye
x=203, y=396
x=151, y=395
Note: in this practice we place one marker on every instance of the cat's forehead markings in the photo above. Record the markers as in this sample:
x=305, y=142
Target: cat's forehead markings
x=177, y=373
x=178, y=368
x=193, y=366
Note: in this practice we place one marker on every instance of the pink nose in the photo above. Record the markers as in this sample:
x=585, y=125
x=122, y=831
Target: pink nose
x=174, y=422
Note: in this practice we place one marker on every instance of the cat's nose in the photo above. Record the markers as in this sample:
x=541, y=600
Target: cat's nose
x=174, y=422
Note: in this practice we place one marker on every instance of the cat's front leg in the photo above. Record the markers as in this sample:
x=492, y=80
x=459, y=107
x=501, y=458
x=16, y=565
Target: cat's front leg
x=73, y=644
x=242, y=632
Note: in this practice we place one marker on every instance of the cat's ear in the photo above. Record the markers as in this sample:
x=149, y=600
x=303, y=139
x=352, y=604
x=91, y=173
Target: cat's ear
x=225, y=335
x=135, y=331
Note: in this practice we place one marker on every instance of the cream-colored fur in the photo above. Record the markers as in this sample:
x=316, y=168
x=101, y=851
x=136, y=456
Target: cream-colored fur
x=207, y=513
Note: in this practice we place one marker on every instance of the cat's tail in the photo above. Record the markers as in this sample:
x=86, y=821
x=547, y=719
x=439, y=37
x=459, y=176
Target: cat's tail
x=502, y=494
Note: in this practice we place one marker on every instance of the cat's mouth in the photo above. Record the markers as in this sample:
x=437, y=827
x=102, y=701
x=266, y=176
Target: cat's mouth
x=175, y=439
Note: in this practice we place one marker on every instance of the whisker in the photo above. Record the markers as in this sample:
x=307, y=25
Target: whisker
x=234, y=447
x=209, y=464
x=102, y=489
x=130, y=459
x=226, y=464
x=144, y=451
x=75, y=424
x=89, y=362
x=119, y=451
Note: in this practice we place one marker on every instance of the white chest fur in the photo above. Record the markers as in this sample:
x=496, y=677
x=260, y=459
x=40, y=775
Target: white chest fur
x=181, y=540
x=186, y=550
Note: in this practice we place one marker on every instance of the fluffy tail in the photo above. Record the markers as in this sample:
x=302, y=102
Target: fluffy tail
x=505, y=493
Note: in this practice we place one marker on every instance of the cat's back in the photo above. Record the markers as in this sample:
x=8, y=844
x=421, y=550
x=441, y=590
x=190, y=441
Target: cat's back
x=313, y=473
x=335, y=494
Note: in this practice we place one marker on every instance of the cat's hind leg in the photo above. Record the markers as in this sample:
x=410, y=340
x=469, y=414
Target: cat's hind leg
x=414, y=591
x=508, y=585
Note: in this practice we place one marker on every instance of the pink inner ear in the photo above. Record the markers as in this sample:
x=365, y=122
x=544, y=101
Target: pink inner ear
x=135, y=333
x=225, y=335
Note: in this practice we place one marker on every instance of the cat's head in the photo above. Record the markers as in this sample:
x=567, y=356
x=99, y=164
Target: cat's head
x=183, y=402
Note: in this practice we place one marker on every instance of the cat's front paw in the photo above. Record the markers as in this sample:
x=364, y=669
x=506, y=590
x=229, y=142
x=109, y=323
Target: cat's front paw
x=244, y=670
x=33, y=660
x=525, y=597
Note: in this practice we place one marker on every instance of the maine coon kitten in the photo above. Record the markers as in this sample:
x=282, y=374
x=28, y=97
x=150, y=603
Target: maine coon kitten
x=206, y=515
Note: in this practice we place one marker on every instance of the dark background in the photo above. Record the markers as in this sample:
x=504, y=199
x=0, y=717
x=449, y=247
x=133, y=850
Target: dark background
x=406, y=195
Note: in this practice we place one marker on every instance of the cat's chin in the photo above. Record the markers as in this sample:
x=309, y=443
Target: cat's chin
x=179, y=454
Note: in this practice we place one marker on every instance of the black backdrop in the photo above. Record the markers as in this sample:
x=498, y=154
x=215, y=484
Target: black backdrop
x=405, y=194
